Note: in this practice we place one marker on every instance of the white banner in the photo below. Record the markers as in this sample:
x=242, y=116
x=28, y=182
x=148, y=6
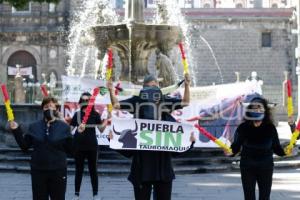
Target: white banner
x=151, y=135
x=73, y=87
x=25, y=71
x=225, y=100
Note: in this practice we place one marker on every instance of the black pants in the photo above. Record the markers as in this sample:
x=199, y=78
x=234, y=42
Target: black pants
x=47, y=184
x=91, y=157
x=263, y=178
x=162, y=191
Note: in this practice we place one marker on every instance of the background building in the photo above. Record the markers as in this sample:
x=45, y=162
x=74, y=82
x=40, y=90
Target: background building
x=34, y=38
x=244, y=35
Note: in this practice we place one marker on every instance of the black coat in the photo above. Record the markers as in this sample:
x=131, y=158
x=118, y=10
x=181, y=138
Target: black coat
x=257, y=145
x=150, y=166
x=50, y=144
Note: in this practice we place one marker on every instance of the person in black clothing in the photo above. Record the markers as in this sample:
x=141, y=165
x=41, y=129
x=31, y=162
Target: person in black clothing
x=51, y=140
x=151, y=169
x=86, y=145
x=258, y=138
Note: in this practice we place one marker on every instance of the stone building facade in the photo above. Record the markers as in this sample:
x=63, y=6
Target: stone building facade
x=245, y=40
x=242, y=40
x=34, y=38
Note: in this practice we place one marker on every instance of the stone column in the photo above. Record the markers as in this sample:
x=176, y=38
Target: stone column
x=134, y=10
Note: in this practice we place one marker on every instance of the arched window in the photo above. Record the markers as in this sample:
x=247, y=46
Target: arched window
x=26, y=61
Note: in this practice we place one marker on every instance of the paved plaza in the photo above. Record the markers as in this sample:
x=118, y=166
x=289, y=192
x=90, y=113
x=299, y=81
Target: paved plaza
x=221, y=186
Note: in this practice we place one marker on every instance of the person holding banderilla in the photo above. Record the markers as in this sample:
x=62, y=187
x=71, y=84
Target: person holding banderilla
x=151, y=169
x=86, y=145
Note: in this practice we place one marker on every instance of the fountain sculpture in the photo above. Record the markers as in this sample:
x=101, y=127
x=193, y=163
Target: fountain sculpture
x=135, y=40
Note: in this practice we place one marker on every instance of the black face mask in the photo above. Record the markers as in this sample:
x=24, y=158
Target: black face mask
x=50, y=114
x=84, y=104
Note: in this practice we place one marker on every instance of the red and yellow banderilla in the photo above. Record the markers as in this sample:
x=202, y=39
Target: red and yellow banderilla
x=214, y=139
x=9, y=111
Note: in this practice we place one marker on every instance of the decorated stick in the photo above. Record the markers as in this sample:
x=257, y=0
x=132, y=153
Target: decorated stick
x=90, y=105
x=290, y=108
x=289, y=149
x=44, y=90
x=118, y=89
x=109, y=64
x=184, y=61
x=9, y=111
x=214, y=139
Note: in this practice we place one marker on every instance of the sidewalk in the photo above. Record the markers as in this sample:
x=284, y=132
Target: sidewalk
x=223, y=186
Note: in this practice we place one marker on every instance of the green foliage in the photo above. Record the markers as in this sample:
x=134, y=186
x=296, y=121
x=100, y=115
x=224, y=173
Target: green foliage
x=22, y=3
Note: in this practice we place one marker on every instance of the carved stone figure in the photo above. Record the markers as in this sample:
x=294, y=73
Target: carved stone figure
x=19, y=94
x=165, y=69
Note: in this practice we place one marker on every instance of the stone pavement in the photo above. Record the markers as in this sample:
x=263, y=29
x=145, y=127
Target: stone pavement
x=223, y=186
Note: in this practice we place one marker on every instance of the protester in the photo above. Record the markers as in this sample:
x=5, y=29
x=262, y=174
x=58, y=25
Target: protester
x=151, y=169
x=51, y=140
x=86, y=145
x=258, y=138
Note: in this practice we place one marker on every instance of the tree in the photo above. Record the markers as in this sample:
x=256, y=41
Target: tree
x=22, y=3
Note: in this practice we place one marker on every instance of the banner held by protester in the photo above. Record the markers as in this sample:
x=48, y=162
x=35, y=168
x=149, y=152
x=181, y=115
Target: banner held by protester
x=151, y=135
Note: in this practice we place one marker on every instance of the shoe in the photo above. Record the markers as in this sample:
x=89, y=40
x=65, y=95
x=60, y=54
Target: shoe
x=96, y=197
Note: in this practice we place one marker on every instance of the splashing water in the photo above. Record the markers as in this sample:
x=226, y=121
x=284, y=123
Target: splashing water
x=91, y=13
x=176, y=18
x=86, y=56
x=214, y=57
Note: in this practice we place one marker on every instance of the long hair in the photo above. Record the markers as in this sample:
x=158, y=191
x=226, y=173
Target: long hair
x=84, y=94
x=81, y=100
x=268, y=117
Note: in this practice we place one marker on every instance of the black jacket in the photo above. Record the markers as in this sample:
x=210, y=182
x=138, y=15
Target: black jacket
x=86, y=141
x=257, y=145
x=50, y=144
x=150, y=166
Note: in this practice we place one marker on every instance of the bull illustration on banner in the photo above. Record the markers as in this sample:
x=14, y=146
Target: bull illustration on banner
x=127, y=137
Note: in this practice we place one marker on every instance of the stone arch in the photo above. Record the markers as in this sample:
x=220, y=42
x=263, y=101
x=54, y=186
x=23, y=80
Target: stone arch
x=25, y=58
x=11, y=50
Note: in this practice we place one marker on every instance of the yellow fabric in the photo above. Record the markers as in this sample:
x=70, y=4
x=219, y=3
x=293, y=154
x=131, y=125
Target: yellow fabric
x=290, y=109
x=223, y=146
x=108, y=73
x=185, y=66
x=289, y=149
x=109, y=108
x=9, y=111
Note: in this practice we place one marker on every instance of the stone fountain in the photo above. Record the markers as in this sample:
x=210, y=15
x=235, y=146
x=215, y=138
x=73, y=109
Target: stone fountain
x=134, y=40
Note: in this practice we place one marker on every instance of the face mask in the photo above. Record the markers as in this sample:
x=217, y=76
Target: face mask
x=50, y=114
x=84, y=104
x=151, y=94
x=256, y=116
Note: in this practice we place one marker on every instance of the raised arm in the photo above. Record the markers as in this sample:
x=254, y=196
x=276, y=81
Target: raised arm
x=24, y=141
x=186, y=95
x=278, y=150
x=114, y=101
x=238, y=141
